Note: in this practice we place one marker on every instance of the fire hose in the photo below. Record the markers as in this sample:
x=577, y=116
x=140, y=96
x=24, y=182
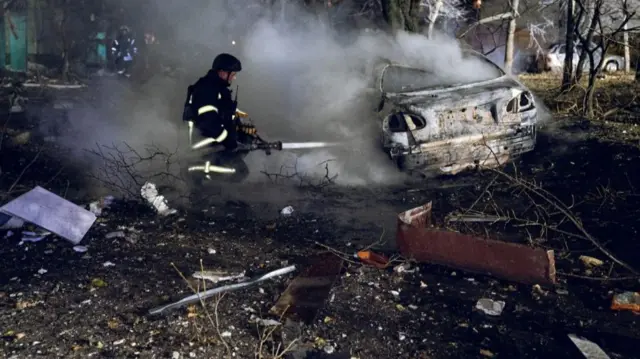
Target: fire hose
x=258, y=144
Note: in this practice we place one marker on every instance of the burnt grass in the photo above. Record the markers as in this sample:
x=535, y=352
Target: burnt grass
x=95, y=304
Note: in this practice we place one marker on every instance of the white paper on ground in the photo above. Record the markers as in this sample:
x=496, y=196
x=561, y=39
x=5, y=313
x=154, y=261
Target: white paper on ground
x=53, y=213
x=589, y=349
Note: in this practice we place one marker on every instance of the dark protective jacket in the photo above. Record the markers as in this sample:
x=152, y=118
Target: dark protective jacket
x=124, y=47
x=214, y=110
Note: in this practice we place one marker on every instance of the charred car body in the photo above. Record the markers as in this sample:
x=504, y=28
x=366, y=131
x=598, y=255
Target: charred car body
x=433, y=125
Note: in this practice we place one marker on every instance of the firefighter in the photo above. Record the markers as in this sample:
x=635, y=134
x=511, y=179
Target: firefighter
x=212, y=110
x=124, y=48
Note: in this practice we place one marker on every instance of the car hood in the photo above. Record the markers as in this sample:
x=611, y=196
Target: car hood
x=473, y=94
x=481, y=91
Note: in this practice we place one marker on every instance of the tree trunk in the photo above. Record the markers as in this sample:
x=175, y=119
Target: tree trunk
x=587, y=102
x=64, y=42
x=65, y=66
x=412, y=15
x=392, y=13
x=511, y=34
x=433, y=16
x=585, y=45
x=401, y=15
x=627, y=50
x=594, y=68
x=638, y=70
x=567, y=74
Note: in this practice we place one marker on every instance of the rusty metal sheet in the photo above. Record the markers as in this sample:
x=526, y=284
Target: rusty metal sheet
x=307, y=293
x=416, y=238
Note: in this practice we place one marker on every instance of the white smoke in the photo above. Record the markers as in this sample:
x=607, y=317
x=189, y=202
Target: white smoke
x=302, y=81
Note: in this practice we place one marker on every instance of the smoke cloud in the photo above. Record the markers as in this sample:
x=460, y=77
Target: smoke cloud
x=302, y=81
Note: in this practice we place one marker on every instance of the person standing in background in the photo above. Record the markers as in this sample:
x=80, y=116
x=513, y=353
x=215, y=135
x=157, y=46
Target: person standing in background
x=124, y=48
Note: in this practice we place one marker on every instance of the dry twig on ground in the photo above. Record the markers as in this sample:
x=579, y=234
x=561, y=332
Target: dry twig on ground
x=266, y=346
x=125, y=169
x=292, y=173
x=548, y=212
x=267, y=336
x=555, y=203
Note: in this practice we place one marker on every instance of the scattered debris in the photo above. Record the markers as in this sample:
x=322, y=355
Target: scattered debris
x=118, y=234
x=329, y=349
x=98, y=283
x=287, y=211
x=373, y=259
x=217, y=276
x=97, y=207
x=266, y=322
x=490, y=307
x=33, y=237
x=486, y=353
x=417, y=239
x=206, y=294
x=119, y=342
x=626, y=301
x=537, y=289
x=19, y=139
x=150, y=193
x=24, y=304
x=80, y=249
x=404, y=268
x=460, y=217
x=589, y=349
x=52, y=213
x=108, y=264
x=591, y=262
x=307, y=293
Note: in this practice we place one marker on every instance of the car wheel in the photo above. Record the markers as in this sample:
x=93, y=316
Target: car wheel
x=611, y=66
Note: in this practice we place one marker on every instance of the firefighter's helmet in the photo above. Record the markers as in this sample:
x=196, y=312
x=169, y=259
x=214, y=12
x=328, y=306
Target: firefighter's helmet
x=226, y=62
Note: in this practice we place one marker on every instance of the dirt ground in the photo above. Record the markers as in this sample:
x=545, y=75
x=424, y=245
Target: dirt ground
x=59, y=303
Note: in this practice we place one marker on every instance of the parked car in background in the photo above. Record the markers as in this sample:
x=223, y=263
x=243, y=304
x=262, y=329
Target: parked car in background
x=553, y=58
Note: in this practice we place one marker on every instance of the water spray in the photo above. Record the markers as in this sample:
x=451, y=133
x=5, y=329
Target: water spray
x=304, y=145
x=279, y=146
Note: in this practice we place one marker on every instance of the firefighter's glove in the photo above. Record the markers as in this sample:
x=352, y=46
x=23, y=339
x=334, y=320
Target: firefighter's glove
x=247, y=129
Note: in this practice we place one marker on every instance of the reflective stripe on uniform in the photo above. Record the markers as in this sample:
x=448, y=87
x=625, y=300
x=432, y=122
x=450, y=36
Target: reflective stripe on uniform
x=190, y=132
x=208, y=168
x=210, y=140
x=207, y=108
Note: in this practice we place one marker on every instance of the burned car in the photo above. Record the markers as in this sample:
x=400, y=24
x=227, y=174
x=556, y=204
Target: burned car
x=433, y=123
